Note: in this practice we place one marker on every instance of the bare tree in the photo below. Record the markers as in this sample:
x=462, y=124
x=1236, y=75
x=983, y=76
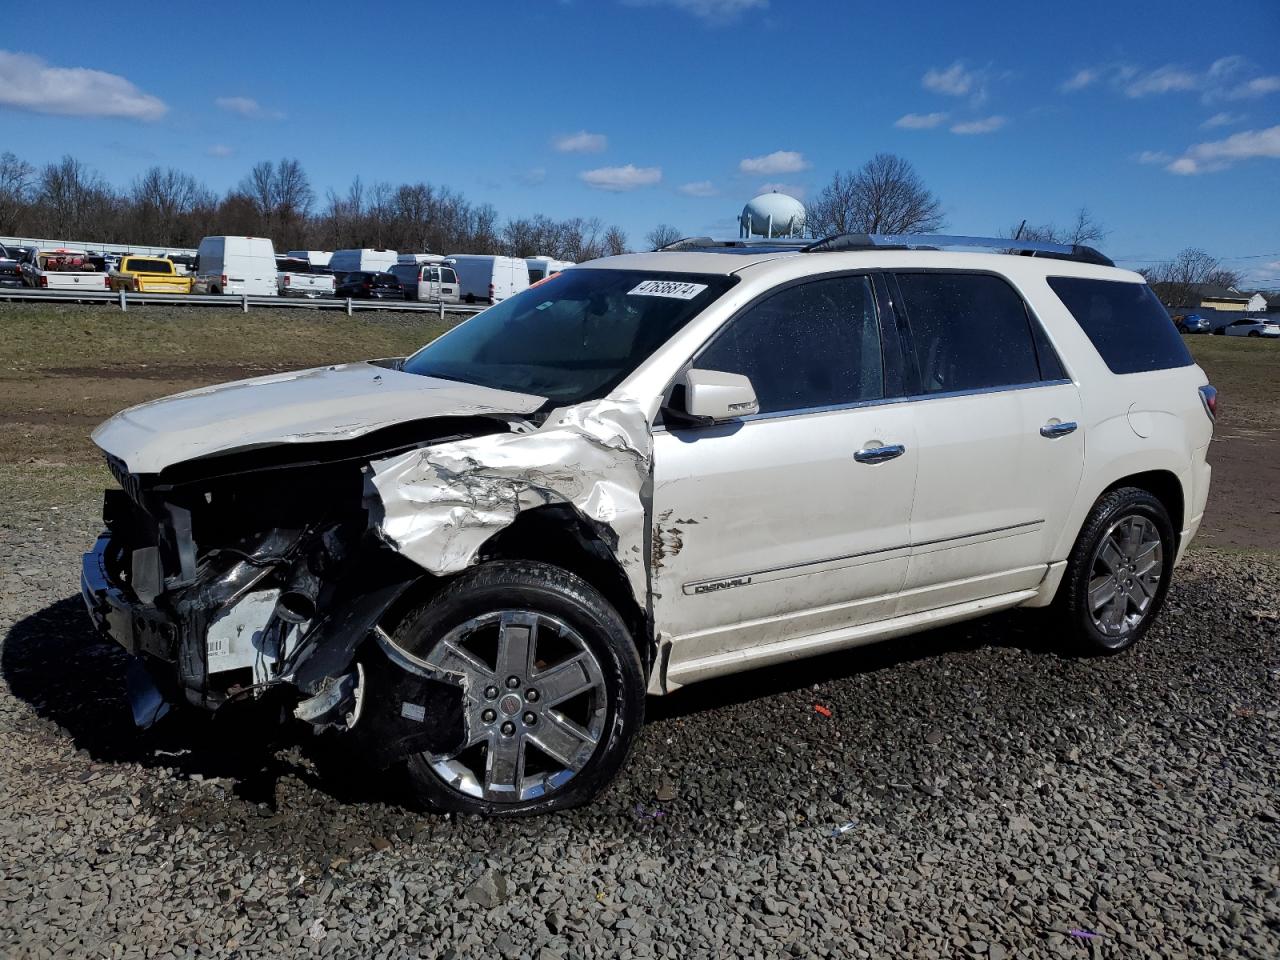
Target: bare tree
x=1178, y=281
x=884, y=195
x=615, y=241
x=1085, y=230
x=16, y=180
x=162, y=202
x=661, y=235
x=73, y=201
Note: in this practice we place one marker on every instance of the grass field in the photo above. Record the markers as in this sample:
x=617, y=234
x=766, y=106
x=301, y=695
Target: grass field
x=66, y=368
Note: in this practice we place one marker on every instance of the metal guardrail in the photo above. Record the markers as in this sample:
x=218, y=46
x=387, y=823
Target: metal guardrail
x=123, y=299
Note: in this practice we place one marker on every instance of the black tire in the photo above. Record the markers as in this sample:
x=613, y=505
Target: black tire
x=1074, y=616
x=543, y=589
x=1254, y=333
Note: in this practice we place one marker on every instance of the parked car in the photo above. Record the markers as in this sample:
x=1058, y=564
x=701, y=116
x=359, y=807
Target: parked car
x=148, y=275
x=652, y=470
x=183, y=263
x=366, y=260
x=296, y=278
x=236, y=265
x=368, y=285
x=542, y=267
x=1192, y=323
x=427, y=281
x=10, y=272
x=489, y=279
x=1250, y=327
x=61, y=269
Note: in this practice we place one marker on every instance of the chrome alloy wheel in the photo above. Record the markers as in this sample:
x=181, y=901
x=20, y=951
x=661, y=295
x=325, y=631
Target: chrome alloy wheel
x=1125, y=575
x=536, y=704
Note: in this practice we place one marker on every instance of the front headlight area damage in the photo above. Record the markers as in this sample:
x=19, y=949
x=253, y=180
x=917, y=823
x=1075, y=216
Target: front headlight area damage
x=277, y=572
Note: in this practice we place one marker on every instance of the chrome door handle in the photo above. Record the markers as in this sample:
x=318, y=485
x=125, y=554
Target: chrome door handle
x=1052, y=430
x=880, y=454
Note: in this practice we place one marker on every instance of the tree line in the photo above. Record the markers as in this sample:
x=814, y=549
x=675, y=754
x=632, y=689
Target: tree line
x=167, y=207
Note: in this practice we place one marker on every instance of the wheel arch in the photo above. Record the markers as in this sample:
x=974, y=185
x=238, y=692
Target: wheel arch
x=1166, y=487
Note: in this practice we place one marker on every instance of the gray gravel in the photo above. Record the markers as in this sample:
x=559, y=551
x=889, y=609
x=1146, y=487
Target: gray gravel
x=995, y=799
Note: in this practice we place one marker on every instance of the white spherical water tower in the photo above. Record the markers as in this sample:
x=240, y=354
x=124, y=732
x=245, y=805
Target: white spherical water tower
x=772, y=215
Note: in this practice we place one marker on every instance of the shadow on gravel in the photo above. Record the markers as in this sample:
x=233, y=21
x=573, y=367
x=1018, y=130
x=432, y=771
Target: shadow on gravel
x=1024, y=630
x=76, y=680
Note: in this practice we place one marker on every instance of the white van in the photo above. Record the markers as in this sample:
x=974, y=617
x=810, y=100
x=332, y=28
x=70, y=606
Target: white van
x=371, y=261
x=236, y=265
x=489, y=279
x=317, y=258
x=427, y=281
x=542, y=267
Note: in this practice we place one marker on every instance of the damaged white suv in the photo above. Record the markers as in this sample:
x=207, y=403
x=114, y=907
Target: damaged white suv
x=647, y=471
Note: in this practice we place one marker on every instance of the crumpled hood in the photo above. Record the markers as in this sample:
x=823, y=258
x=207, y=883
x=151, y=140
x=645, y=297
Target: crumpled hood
x=308, y=406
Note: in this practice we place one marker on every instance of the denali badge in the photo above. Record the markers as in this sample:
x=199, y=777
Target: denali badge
x=711, y=586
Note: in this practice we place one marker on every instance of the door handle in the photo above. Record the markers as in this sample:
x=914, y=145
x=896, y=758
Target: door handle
x=1052, y=430
x=880, y=454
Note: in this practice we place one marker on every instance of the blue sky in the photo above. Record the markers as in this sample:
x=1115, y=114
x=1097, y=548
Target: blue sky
x=1163, y=119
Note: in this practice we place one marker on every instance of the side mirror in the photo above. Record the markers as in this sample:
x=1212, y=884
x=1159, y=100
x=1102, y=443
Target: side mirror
x=712, y=396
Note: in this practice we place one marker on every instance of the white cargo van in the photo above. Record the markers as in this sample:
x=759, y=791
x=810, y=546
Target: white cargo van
x=317, y=258
x=542, y=267
x=419, y=258
x=427, y=281
x=236, y=265
x=488, y=279
x=371, y=261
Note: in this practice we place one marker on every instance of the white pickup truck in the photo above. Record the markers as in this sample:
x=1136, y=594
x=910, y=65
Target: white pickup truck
x=62, y=269
x=295, y=279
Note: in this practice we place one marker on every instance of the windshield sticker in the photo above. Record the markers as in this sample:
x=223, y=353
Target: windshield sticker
x=674, y=289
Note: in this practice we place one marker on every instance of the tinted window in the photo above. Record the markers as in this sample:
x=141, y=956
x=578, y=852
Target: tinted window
x=448, y=276
x=813, y=345
x=1125, y=322
x=969, y=331
x=149, y=266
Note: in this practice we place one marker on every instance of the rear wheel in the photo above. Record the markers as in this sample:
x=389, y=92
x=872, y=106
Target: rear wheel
x=1254, y=333
x=1118, y=572
x=554, y=690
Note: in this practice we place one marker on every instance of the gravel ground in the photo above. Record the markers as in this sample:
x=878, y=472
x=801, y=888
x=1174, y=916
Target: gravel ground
x=1004, y=800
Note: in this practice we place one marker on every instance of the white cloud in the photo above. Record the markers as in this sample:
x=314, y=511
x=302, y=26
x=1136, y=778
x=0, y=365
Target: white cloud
x=1257, y=87
x=780, y=161
x=1153, y=156
x=1221, y=154
x=620, y=179
x=711, y=11
x=220, y=150
x=985, y=125
x=247, y=107
x=955, y=81
x=1222, y=120
x=581, y=142
x=797, y=190
x=699, y=188
x=920, y=121
x=1165, y=79
x=1081, y=79
x=29, y=83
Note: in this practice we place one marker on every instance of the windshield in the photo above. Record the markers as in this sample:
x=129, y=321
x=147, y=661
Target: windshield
x=572, y=338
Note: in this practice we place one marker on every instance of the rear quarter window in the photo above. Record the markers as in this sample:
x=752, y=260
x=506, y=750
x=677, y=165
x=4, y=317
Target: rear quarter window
x=1126, y=323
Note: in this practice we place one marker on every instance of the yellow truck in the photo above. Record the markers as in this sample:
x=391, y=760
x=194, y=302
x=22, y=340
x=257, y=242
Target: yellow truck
x=149, y=275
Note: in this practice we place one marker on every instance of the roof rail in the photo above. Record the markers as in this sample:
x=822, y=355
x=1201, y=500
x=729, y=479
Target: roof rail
x=707, y=243
x=931, y=241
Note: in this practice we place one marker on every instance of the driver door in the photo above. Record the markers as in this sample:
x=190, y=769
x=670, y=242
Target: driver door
x=775, y=533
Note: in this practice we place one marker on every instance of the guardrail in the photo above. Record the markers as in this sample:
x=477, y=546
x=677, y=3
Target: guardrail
x=123, y=299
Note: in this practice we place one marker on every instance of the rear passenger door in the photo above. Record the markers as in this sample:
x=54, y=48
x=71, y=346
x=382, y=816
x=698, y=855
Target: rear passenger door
x=997, y=424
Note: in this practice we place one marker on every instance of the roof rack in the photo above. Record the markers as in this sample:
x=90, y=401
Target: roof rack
x=930, y=241
x=755, y=245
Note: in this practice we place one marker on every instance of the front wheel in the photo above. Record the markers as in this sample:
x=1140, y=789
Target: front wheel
x=1118, y=572
x=554, y=690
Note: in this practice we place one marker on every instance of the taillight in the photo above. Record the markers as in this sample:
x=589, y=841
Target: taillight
x=44, y=281
x=224, y=280
x=106, y=282
x=491, y=291
x=288, y=280
x=1209, y=397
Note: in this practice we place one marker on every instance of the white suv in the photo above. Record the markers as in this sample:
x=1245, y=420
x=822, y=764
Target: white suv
x=649, y=470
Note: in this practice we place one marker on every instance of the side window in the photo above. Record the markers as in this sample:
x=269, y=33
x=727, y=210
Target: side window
x=812, y=345
x=448, y=276
x=1125, y=322
x=969, y=331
